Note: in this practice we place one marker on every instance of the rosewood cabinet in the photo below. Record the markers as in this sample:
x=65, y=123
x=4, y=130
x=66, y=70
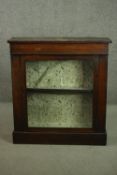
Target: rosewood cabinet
x=59, y=90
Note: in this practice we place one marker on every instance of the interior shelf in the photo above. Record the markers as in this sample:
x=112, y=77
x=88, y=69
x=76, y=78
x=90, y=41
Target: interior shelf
x=60, y=90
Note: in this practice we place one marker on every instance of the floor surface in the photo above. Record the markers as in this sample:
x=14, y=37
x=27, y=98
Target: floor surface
x=56, y=159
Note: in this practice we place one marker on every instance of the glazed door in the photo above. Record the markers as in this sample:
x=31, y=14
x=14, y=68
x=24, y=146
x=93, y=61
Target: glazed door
x=59, y=92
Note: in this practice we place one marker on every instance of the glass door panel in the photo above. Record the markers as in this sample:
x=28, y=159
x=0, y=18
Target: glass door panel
x=59, y=93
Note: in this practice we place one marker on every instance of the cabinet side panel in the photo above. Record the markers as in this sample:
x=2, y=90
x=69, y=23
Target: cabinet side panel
x=102, y=92
x=18, y=90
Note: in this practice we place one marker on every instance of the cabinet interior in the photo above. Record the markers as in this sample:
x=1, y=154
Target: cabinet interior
x=59, y=93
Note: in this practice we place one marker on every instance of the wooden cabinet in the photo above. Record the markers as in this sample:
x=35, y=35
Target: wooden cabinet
x=59, y=90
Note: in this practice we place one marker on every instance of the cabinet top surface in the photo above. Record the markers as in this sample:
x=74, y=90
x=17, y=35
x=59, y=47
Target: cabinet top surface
x=60, y=40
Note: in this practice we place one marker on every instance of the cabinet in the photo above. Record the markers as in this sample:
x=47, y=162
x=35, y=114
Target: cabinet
x=59, y=90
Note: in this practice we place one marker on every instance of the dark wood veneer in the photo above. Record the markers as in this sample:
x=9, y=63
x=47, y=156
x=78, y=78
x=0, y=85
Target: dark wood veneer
x=36, y=49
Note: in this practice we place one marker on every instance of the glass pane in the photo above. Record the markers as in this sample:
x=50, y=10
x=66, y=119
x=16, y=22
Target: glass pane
x=59, y=74
x=59, y=110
